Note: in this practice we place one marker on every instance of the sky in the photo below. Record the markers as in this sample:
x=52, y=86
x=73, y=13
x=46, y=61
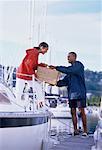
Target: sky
x=66, y=25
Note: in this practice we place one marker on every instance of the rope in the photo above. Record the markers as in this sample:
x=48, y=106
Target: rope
x=9, y=88
x=45, y=15
x=33, y=20
x=62, y=122
x=13, y=101
x=36, y=79
x=30, y=38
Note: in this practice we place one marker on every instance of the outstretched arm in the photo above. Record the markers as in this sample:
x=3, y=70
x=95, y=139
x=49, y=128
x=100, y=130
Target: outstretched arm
x=74, y=69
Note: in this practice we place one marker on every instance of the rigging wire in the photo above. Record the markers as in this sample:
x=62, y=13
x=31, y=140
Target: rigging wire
x=33, y=20
x=30, y=21
x=45, y=17
x=13, y=101
x=30, y=5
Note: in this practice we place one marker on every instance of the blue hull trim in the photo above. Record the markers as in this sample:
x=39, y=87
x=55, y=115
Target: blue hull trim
x=22, y=121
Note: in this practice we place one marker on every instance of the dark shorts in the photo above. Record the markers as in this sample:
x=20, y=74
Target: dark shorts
x=77, y=103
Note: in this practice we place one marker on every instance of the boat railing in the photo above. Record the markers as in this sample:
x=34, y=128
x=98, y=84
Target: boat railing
x=30, y=94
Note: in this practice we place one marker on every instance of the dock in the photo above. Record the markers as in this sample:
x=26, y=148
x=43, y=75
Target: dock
x=69, y=142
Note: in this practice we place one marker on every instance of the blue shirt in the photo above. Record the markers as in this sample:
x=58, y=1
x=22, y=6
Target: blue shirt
x=74, y=80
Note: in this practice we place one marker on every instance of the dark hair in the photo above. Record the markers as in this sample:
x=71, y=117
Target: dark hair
x=73, y=53
x=44, y=45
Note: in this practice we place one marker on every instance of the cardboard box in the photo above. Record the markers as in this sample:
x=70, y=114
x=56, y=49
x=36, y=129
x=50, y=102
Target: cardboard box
x=48, y=75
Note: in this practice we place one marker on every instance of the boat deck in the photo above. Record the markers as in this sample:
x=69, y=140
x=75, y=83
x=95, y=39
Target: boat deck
x=67, y=142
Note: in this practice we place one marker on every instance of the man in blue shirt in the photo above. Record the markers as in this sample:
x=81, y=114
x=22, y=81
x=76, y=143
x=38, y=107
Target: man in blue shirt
x=75, y=82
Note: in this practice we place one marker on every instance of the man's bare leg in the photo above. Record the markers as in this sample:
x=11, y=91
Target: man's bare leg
x=74, y=119
x=83, y=115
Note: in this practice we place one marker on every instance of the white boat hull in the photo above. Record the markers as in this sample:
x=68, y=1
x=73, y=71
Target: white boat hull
x=22, y=137
x=20, y=128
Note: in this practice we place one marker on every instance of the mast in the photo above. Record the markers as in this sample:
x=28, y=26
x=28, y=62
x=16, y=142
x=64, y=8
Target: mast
x=37, y=12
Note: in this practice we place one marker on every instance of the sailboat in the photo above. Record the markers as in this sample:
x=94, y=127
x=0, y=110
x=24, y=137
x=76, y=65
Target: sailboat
x=23, y=126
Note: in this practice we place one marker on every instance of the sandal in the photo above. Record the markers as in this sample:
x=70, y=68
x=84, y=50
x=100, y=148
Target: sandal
x=84, y=135
x=76, y=133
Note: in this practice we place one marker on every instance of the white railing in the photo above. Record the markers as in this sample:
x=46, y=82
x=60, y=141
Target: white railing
x=28, y=98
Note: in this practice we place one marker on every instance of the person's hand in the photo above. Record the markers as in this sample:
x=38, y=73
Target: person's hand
x=43, y=65
x=51, y=84
x=52, y=67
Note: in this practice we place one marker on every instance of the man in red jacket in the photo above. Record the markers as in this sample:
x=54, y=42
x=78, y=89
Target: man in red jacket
x=28, y=67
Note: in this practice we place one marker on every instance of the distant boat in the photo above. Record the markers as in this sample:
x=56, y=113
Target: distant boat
x=59, y=108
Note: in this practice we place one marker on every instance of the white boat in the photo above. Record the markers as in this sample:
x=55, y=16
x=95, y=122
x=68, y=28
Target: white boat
x=19, y=129
x=22, y=128
x=98, y=136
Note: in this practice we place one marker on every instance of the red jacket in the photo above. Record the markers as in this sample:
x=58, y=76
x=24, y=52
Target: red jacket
x=29, y=64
